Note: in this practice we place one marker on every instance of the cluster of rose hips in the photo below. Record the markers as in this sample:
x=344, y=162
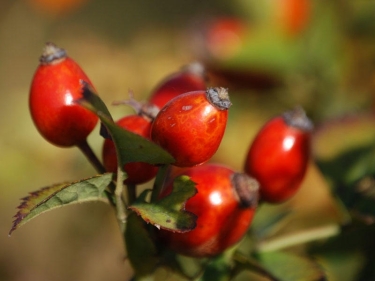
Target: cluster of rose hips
x=187, y=119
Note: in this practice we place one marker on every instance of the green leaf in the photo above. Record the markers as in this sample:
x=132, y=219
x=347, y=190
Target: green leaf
x=141, y=249
x=268, y=220
x=289, y=267
x=168, y=213
x=348, y=166
x=183, y=266
x=349, y=162
x=348, y=256
x=343, y=266
x=218, y=268
x=245, y=265
x=92, y=101
x=359, y=198
x=352, y=175
x=130, y=147
x=266, y=51
x=59, y=195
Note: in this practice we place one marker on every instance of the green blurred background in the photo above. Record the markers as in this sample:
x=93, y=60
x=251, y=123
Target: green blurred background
x=327, y=67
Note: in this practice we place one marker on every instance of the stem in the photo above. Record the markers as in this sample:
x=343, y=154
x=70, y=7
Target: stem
x=346, y=217
x=90, y=155
x=120, y=204
x=159, y=180
x=132, y=193
x=243, y=262
x=299, y=238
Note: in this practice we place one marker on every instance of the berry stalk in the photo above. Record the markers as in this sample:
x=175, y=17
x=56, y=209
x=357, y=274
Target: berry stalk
x=90, y=155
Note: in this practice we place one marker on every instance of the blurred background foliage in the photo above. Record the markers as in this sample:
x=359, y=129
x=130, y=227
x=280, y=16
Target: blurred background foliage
x=318, y=54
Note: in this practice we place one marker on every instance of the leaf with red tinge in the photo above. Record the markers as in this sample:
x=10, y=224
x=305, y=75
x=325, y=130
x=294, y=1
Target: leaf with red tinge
x=168, y=213
x=58, y=195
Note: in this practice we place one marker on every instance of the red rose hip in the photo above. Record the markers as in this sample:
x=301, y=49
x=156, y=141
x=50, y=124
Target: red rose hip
x=225, y=205
x=225, y=36
x=191, y=126
x=279, y=155
x=55, y=86
x=189, y=78
x=293, y=15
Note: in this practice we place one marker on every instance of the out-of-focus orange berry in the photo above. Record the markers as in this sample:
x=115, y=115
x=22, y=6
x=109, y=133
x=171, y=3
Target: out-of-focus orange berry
x=56, y=7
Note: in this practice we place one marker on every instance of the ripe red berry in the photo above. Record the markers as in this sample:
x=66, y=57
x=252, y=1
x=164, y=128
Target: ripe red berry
x=191, y=126
x=55, y=86
x=188, y=79
x=292, y=15
x=57, y=7
x=224, y=37
x=279, y=155
x=137, y=172
x=225, y=206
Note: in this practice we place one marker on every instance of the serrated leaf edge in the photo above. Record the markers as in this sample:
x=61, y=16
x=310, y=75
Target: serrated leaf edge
x=158, y=226
x=142, y=198
x=19, y=217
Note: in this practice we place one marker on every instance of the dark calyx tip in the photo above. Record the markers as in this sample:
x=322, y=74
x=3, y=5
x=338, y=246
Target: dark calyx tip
x=52, y=54
x=219, y=97
x=297, y=118
x=247, y=190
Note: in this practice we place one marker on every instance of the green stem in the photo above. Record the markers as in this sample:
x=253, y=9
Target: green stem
x=298, y=238
x=245, y=263
x=132, y=193
x=93, y=159
x=120, y=204
x=90, y=155
x=159, y=180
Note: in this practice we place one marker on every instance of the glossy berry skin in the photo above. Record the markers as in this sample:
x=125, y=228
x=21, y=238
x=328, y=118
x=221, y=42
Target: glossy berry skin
x=55, y=86
x=137, y=172
x=278, y=156
x=188, y=79
x=222, y=219
x=191, y=126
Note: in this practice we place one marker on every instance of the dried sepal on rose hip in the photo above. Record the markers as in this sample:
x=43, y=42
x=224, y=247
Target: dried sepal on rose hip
x=137, y=172
x=191, y=126
x=279, y=155
x=55, y=86
x=224, y=204
x=191, y=77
